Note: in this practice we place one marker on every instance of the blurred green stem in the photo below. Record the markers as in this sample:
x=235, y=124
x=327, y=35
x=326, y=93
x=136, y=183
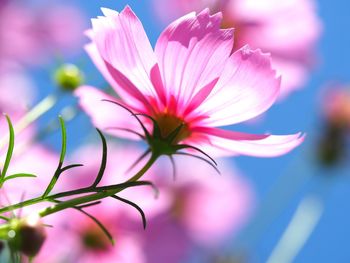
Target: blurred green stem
x=43, y=106
x=298, y=231
x=273, y=204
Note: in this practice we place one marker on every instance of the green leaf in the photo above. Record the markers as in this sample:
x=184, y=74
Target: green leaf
x=173, y=164
x=62, y=155
x=125, y=185
x=156, y=128
x=138, y=160
x=71, y=166
x=103, y=161
x=89, y=204
x=102, y=227
x=64, y=140
x=139, y=209
x=148, y=136
x=185, y=146
x=13, y=176
x=5, y=218
x=200, y=158
x=9, y=150
x=171, y=137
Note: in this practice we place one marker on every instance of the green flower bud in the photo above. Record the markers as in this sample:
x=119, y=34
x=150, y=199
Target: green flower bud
x=27, y=235
x=331, y=148
x=68, y=77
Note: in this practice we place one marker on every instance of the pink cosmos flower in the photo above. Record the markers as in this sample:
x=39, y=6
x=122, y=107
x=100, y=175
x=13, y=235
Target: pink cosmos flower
x=336, y=106
x=17, y=93
x=190, y=84
x=264, y=24
x=17, y=90
x=203, y=210
x=333, y=135
x=75, y=238
x=29, y=35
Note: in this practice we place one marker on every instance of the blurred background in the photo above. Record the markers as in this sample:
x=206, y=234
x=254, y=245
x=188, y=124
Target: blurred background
x=314, y=179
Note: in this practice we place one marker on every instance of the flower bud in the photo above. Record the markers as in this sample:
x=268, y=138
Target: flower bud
x=331, y=147
x=27, y=235
x=336, y=107
x=68, y=77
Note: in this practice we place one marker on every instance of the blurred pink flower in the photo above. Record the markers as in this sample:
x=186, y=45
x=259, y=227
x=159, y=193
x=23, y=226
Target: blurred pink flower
x=336, y=106
x=333, y=135
x=75, y=238
x=17, y=91
x=203, y=210
x=37, y=160
x=191, y=78
x=29, y=35
x=264, y=24
x=17, y=94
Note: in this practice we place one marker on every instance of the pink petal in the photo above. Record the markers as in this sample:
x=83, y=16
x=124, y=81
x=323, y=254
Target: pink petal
x=200, y=96
x=247, y=87
x=214, y=208
x=165, y=240
x=225, y=143
x=191, y=53
x=222, y=205
x=124, y=46
x=169, y=10
x=295, y=75
x=275, y=32
x=106, y=115
x=92, y=51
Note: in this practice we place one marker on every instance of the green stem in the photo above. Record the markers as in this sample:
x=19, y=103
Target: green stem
x=98, y=193
x=304, y=221
x=22, y=204
x=43, y=106
x=77, y=201
x=148, y=165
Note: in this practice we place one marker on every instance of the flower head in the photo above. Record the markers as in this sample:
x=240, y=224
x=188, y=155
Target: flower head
x=27, y=235
x=80, y=239
x=68, y=77
x=333, y=141
x=208, y=211
x=185, y=88
x=336, y=106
